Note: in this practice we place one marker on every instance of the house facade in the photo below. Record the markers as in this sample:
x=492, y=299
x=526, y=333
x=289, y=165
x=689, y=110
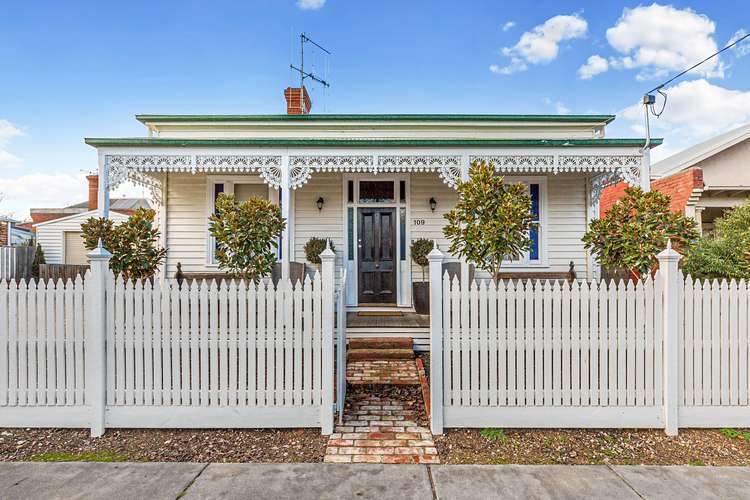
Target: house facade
x=702, y=181
x=371, y=183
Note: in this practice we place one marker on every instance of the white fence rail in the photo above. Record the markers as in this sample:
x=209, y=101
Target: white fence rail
x=154, y=354
x=660, y=353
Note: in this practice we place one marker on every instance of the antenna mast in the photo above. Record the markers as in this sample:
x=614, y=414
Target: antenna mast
x=303, y=39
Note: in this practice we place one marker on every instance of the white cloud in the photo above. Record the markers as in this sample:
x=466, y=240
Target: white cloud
x=7, y=132
x=508, y=25
x=310, y=4
x=560, y=108
x=658, y=39
x=594, y=65
x=696, y=110
x=541, y=44
x=742, y=48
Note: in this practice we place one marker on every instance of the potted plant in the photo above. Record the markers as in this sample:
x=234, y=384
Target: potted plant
x=421, y=290
x=314, y=247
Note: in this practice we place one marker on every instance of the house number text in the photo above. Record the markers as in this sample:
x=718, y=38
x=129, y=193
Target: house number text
x=419, y=222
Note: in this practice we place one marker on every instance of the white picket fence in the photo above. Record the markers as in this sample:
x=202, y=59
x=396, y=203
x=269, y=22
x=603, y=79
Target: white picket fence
x=104, y=352
x=663, y=353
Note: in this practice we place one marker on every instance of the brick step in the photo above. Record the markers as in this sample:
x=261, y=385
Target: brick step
x=374, y=354
x=381, y=343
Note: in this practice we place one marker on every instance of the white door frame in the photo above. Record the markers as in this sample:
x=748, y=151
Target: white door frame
x=403, y=272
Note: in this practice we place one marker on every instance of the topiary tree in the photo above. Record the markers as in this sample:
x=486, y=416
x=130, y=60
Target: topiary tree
x=491, y=220
x=314, y=247
x=246, y=235
x=133, y=244
x=725, y=253
x=38, y=260
x=637, y=228
x=419, y=250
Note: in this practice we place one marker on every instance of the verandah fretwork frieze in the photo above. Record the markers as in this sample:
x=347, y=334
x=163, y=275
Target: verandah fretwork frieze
x=449, y=167
x=519, y=163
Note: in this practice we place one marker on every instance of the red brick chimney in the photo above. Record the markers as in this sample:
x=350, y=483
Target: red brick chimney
x=297, y=101
x=93, y=191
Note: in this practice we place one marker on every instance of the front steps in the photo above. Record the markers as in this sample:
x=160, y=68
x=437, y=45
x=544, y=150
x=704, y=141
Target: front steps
x=381, y=360
x=380, y=348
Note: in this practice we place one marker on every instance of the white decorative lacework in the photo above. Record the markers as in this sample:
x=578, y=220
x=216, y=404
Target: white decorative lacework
x=519, y=163
x=628, y=166
x=150, y=163
x=271, y=175
x=333, y=163
x=298, y=176
x=235, y=163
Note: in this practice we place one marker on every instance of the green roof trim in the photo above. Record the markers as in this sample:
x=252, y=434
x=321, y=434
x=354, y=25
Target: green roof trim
x=163, y=141
x=377, y=117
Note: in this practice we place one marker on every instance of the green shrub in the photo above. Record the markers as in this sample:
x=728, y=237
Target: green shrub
x=494, y=434
x=314, y=247
x=133, y=244
x=491, y=220
x=419, y=250
x=636, y=229
x=725, y=253
x=38, y=260
x=246, y=235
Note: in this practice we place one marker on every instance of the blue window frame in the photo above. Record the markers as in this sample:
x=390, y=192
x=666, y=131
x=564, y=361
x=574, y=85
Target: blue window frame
x=535, y=222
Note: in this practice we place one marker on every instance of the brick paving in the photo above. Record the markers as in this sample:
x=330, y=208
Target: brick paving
x=380, y=429
x=382, y=371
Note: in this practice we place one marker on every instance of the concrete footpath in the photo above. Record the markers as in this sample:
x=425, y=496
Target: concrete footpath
x=381, y=482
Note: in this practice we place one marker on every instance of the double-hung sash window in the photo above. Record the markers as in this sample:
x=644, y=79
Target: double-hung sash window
x=242, y=191
x=535, y=256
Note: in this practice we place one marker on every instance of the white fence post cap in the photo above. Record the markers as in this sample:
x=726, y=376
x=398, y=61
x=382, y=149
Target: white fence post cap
x=435, y=254
x=668, y=254
x=327, y=254
x=99, y=253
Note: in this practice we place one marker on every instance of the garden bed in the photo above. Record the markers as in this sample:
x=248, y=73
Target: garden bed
x=174, y=445
x=600, y=446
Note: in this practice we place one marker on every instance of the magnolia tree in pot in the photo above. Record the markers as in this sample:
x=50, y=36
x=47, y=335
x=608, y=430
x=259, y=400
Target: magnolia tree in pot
x=421, y=290
x=491, y=221
x=247, y=235
x=314, y=247
x=636, y=229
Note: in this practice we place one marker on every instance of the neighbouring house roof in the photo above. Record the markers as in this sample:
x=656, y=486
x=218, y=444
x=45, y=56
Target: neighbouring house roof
x=118, y=204
x=604, y=119
x=161, y=141
x=695, y=154
x=85, y=214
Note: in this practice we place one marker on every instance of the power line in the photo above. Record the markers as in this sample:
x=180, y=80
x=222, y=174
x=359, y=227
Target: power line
x=698, y=64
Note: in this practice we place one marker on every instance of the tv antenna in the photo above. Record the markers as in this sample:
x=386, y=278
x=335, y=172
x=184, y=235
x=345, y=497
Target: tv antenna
x=303, y=39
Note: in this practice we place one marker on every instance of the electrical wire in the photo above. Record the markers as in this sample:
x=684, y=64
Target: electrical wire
x=698, y=64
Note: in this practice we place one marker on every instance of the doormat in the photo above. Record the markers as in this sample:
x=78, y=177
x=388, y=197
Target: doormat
x=380, y=313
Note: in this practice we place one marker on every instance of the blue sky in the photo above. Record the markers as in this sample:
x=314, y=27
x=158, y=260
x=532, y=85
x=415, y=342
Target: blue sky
x=75, y=69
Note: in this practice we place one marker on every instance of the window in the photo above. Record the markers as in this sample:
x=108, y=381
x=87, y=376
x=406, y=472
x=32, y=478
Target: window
x=535, y=255
x=376, y=192
x=242, y=191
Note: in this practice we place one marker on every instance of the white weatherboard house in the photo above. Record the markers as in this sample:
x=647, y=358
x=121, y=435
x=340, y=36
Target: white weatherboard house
x=371, y=183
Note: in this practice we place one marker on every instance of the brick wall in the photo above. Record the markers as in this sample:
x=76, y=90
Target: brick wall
x=678, y=187
x=3, y=233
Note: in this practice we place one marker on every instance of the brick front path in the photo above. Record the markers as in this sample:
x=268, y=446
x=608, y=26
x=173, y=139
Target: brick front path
x=380, y=429
x=382, y=371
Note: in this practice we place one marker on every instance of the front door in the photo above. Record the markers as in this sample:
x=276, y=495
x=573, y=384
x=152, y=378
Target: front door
x=376, y=237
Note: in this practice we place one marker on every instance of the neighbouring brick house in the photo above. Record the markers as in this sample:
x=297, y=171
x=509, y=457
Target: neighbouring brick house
x=703, y=181
x=58, y=230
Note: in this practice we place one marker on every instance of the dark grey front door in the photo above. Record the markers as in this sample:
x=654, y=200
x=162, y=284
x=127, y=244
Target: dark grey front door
x=376, y=236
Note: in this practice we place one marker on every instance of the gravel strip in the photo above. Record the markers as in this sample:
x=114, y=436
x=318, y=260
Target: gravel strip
x=605, y=446
x=173, y=445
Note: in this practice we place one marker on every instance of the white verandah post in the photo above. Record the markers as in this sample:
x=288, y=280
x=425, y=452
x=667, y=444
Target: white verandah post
x=328, y=270
x=670, y=275
x=102, y=203
x=285, y=198
x=436, y=340
x=96, y=336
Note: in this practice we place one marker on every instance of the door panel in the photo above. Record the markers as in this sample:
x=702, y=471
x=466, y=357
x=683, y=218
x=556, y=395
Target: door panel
x=377, y=247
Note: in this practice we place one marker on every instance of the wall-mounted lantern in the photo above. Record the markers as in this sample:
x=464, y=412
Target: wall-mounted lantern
x=319, y=203
x=433, y=204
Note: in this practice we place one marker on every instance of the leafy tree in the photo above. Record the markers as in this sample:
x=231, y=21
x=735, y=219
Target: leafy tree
x=725, y=253
x=637, y=228
x=246, y=235
x=419, y=250
x=133, y=244
x=314, y=247
x=491, y=220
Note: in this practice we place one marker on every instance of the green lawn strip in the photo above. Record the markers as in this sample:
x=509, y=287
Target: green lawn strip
x=88, y=456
